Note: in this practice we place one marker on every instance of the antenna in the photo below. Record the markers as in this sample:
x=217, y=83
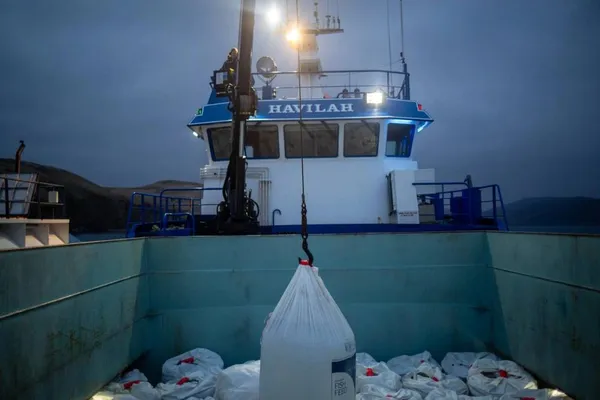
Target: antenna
x=406, y=84
x=402, y=33
x=389, y=36
x=330, y=24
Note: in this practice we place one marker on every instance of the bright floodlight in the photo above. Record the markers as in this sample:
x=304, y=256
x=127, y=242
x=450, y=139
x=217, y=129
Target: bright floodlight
x=293, y=35
x=273, y=16
x=375, y=98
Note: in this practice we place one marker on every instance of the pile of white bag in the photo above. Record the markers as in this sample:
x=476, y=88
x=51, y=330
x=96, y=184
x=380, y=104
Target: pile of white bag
x=444, y=394
x=428, y=377
x=198, y=362
x=458, y=364
x=188, y=376
x=191, y=375
x=461, y=376
x=488, y=377
x=199, y=375
x=536, y=394
x=375, y=392
x=403, y=365
x=132, y=386
x=371, y=372
x=238, y=382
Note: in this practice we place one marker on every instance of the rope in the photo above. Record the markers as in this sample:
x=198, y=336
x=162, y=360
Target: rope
x=303, y=210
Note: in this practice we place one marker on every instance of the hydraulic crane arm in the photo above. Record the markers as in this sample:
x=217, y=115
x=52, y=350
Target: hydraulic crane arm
x=238, y=213
x=244, y=105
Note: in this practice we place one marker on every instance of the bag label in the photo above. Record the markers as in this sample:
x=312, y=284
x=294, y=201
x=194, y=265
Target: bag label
x=343, y=379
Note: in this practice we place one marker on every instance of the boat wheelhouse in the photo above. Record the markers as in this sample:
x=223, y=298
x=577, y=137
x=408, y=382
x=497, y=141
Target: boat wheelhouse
x=351, y=131
x=360, y=173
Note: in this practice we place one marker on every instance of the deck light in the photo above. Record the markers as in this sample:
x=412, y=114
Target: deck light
x=375, y=98
x=273, y=16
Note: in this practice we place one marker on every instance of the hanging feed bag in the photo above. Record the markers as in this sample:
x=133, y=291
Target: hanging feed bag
x=308, y=349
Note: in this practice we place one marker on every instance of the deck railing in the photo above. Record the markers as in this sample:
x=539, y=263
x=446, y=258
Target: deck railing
x=166, y=212
x=395, y=84
x=473, y=206
x=42, y=200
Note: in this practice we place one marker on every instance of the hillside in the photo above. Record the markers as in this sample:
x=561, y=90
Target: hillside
x=554, y=211
x=94, y=208
x=91, y=207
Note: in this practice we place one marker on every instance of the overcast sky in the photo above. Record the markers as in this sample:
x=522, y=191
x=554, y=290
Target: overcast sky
x=105, y=88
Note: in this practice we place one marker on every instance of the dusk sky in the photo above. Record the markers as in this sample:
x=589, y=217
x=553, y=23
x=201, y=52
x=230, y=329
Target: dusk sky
x=105, y=88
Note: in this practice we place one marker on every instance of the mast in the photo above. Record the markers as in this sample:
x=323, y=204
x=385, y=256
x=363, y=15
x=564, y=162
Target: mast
x=305, y=38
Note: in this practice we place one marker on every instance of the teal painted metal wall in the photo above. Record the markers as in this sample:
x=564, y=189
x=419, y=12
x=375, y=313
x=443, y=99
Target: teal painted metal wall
x=72, y=317
x=547, y=313
x=400, y=293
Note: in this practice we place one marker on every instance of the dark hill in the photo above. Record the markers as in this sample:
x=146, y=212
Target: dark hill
x=554, y=211
x=94, y=208
x=90, y=207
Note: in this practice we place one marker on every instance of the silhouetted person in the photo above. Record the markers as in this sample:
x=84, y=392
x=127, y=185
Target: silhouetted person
x=231, y=65
x=232, y=61
x=357, y=93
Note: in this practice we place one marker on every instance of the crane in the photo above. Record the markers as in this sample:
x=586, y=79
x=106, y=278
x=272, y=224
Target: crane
x=238, y=213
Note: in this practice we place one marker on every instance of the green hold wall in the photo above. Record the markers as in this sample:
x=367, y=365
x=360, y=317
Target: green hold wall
x=72, y=317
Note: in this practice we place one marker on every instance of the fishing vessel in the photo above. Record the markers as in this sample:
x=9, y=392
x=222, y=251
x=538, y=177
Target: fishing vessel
x=347, y=134
x=74, y=316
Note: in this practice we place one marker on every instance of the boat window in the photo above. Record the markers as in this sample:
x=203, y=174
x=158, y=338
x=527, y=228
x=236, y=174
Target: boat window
x=262, y=141
x=319, y=140
x=399, y=140
x=361, y=139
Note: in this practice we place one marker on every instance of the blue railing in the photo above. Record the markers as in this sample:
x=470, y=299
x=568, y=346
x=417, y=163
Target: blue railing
x=395, y=83
x=480, y=206
x=158, y=214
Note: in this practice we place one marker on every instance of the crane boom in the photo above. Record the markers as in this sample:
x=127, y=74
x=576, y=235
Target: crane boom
x=238, y=214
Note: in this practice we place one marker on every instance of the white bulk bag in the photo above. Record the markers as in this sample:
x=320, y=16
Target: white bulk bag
x=377, y=374
x=428, y=377
x=132, y=376
x=458, y=364
x=536, y=394
x=135, y=391
x=490, y=377
x=108, y=395
x=402, y=365
x=373, y=392
x=238, y=382
x=365, y=360
x=444, y=394
x=308, y=349
x=197, y=385
x=131, y=386
x=190, y=362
